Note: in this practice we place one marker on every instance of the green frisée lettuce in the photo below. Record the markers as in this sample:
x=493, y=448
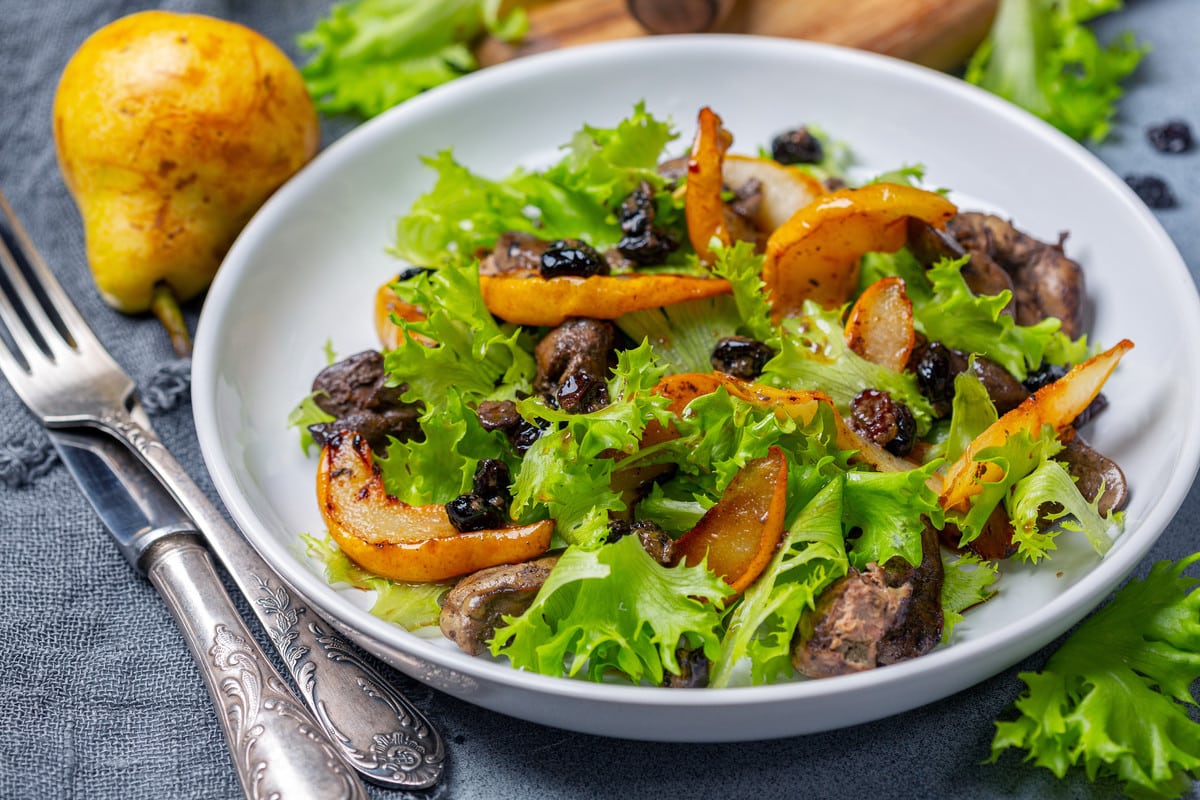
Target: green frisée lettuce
x=437, y=466
x=370, y=55
x=1040, y=55
x=574, y=198
x=976, y=324
x=410, y=605
x=967, y=581
x=810, y=558
x=566, y=475
x=473, y=353
x=615, y=608
x=1114, y=699
x=609, y=608
x=814, y=355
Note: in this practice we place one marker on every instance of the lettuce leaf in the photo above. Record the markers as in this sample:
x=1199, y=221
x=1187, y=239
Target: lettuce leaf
x=1052, y=483
x=810, y=558
x=615, y=608
x=1041, y=56
x=975, y=324
x=306, y=413
x=1114, y=698
x=1019, y=456
x=369, y=55
x=575, y=198
x=813, y=355
x=971, y=413
x=568, y=471
x=441, y=466
x=473, y=353
x=889, y=507
x=409, y=605
x=968, y=582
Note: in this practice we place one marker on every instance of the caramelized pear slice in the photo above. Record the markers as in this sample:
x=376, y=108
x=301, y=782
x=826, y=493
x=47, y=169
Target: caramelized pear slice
x=403, y=542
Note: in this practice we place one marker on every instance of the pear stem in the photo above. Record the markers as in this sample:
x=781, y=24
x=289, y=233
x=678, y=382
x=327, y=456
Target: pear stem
x=166, y=307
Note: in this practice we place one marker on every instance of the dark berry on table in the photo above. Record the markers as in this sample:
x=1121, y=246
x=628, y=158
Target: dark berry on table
x=1153, y=190
x=572, y=257
x=797, y=146
x=741, y=357
x=887, y=422
x=1171, y=137
x=470, y=512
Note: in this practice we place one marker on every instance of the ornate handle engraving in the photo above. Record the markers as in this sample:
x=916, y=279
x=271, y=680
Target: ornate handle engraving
x=379, y=732
x=278, y=748
x=393, y=742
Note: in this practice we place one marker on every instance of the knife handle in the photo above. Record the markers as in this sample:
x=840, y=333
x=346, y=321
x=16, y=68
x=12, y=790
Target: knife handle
x=276, y=745
x=378, y=731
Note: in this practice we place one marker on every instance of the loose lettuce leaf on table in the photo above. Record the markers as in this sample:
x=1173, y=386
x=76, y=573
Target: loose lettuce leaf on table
x=369, y=55
x=1040, y=55
x=1114, y=698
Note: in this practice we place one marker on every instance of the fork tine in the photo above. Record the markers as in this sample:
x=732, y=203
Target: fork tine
x=51, y=333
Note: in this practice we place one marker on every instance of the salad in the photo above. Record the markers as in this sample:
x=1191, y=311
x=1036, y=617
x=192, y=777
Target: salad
x=707, y=418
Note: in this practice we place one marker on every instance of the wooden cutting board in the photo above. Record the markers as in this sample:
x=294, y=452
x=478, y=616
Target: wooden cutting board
x=937, y=33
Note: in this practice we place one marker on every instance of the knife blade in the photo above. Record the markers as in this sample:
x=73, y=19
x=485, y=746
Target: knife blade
x=275, y=743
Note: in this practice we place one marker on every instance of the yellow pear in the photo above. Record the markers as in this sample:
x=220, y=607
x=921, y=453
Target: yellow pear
x=171, y=130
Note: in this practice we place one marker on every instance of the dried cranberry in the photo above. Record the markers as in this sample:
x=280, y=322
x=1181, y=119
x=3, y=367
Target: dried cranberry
x=523, y=435
x=572, y=257
x=1171, y=137
x=741, y=357
x=797, y=146
x=1153, y=190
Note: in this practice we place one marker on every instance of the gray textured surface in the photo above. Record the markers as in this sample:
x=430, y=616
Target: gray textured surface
x=99, y=697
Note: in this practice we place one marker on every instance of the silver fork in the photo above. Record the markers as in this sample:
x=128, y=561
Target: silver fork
x=67, y=379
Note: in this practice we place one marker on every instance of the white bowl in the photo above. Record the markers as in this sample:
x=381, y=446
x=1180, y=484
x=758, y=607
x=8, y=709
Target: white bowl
x=305, y=269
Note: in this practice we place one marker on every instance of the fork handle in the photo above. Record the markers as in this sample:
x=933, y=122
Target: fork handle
x=276, y=747
x=378, y=731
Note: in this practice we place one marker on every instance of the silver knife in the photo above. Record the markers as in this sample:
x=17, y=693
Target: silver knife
x=276, y=745
x=375, y=729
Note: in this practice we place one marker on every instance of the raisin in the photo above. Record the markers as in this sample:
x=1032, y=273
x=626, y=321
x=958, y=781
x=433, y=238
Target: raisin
x=643, y=243
x=1153, y=190
x=797, y=146
x=525, y=434
x=741, y=357
x=1171, y=137
x=1044, y=375
x=581, y=393
x=885, y=421
x=492, y=481
x=935, y=376
x=572, y=257
x=408, y=273
x=470, y=512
